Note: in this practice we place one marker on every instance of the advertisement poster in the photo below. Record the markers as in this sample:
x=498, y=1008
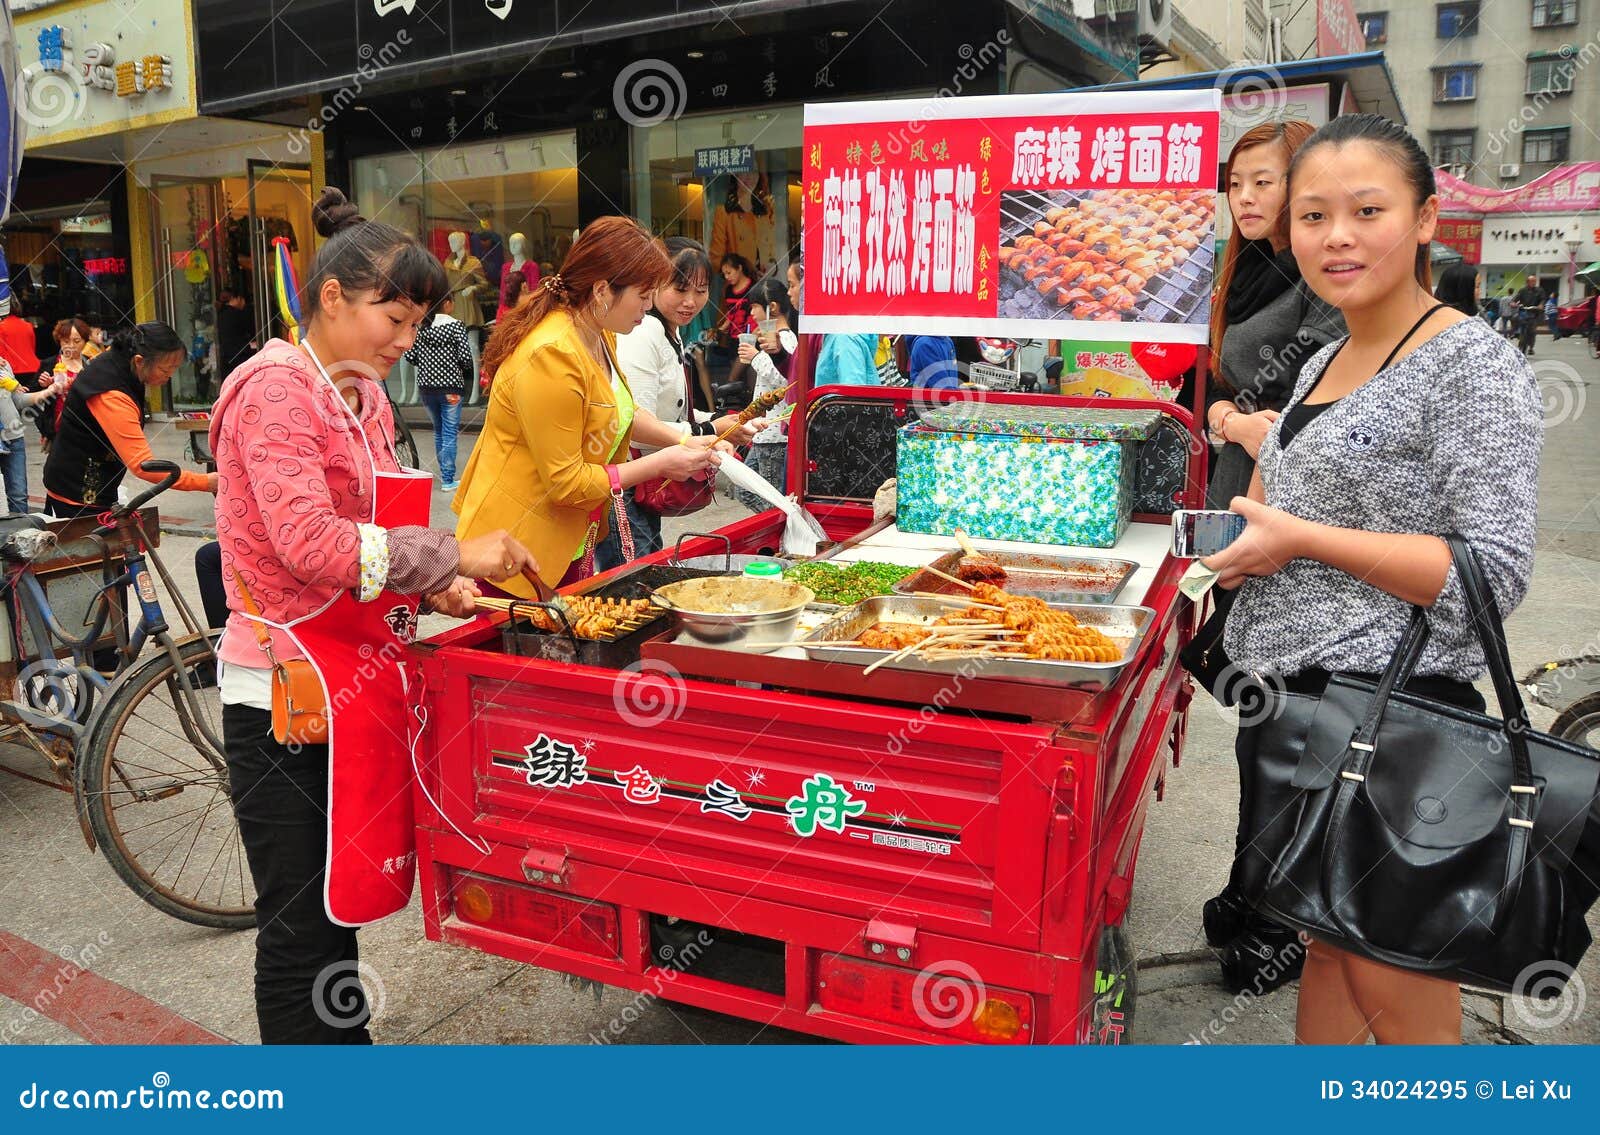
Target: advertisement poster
x=1084, y=216
x=1124, y=370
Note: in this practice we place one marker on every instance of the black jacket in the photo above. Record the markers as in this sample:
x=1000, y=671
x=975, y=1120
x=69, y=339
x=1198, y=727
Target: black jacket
x=83, y=466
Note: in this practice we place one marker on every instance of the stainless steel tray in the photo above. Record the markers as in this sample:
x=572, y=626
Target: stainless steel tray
x=1120, y=623
x=1086, y=579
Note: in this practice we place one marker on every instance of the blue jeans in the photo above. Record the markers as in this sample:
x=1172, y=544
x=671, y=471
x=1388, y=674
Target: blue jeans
x=14, y=466
x=770, y=460
x=446, y=419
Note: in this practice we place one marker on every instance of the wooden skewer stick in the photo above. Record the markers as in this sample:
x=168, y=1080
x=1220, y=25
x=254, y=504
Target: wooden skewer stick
x=895, y=657
x=931, y=570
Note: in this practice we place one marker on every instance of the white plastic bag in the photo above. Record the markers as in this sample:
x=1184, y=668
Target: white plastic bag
x=801, y=531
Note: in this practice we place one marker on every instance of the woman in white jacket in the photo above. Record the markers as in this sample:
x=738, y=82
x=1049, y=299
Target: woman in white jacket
x=652, y=360
x=771, y=311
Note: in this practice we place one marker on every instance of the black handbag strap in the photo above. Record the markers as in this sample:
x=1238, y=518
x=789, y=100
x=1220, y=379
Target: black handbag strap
x=1521, y=792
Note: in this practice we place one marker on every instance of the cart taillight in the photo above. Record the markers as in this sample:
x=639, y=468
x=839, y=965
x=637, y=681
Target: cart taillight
x=948, y=999
x=527, y=912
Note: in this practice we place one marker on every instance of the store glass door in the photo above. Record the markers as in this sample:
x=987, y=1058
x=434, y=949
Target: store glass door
x=184, y=214
x=279, y=201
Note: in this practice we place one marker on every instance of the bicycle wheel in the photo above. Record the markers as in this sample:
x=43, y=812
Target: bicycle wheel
x=155, y=790
x=1580, y=722
x=405, y=446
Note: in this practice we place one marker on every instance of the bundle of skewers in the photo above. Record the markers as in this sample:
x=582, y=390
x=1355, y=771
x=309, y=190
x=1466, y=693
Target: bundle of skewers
x=992, y=624
x=591, y=617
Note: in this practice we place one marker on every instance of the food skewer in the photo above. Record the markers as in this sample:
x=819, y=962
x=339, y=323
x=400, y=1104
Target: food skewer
x=947, y=578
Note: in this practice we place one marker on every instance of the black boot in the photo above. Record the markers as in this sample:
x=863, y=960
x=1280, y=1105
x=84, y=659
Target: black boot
x=1225, y=917
x=1263, y=958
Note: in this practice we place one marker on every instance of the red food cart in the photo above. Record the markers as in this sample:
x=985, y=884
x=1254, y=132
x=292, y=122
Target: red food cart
x=900, y=857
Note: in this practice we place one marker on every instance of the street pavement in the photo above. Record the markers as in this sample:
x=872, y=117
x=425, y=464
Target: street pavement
x=103, y=966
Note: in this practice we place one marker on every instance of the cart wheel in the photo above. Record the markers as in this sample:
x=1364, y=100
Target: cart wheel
x=1116, y=988
x=1580, y=722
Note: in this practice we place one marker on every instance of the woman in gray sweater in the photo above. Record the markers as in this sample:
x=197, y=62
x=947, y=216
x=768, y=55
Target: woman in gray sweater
x=1422, y=423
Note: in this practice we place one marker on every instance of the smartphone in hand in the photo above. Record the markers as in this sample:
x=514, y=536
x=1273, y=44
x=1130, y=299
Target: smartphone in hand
x=1197, y=533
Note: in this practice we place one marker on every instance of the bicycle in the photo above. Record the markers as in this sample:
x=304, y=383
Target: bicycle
x=142, y=746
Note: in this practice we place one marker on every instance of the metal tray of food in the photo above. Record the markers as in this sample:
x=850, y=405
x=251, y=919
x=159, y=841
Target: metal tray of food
x=1055, y=579
x=1122, y=624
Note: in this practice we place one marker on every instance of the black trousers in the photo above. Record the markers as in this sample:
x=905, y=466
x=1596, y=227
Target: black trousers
x=308, y=989
x=208, y=576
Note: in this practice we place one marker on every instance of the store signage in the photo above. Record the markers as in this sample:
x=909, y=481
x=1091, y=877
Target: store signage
x=1530, y=240
x=96, y=67
x=1465, y=236
x=725, y=159
x=1338, y=30
x=1571, y=188
x=106, y=266
x=1087, y=216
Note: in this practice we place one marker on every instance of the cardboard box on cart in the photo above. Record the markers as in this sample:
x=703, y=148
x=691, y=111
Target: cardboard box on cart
x=1043, y=475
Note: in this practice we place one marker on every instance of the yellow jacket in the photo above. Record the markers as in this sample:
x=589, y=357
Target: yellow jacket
x=538, y=468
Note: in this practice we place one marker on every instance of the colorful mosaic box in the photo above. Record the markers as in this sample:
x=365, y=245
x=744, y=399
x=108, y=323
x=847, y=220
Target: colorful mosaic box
x=1002, y=486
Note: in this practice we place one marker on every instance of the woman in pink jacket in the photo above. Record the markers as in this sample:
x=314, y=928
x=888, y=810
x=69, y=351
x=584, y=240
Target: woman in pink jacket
x=325, y=552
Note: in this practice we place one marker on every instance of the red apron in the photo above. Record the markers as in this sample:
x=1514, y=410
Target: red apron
x=358, y=650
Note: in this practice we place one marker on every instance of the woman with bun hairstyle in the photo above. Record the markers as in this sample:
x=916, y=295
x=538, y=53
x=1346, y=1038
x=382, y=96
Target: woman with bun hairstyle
x=551, y=464
x=325, y=554
x=1421, y=423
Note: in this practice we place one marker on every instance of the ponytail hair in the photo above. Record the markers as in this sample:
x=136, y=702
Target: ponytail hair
x=368, y=256
x=617, y=250
x=1395, y=142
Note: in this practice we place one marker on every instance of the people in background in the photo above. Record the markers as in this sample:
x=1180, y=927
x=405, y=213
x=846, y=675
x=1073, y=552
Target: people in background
x=652, y=358
x=770, y=358
x=236, y=330
x=18, y=342
x=1458, y=287
x=932, y=359
x=61, y=370
x=442, y=355
x=848, y=360
x=1530, y=304
x=100, y=436
x=1552, y=313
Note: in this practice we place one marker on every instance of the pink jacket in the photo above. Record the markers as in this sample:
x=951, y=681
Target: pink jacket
x=293, y=484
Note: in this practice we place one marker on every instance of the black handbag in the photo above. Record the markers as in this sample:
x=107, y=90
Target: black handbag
x=1417, y=833
x=1206, y=658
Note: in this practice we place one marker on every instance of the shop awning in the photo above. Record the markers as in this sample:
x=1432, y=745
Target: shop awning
x=1366, y=74
x=1591, y=272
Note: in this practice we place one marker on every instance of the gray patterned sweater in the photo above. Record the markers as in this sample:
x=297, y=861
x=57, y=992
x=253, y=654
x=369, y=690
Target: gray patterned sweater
x=1446, y=440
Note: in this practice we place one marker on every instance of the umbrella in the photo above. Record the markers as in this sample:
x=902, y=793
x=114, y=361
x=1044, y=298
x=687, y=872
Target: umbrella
x=1591, y=273
x=12, y=137
x=287, y=288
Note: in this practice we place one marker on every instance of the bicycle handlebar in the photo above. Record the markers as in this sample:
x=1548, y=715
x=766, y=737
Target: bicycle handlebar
x=171, y=470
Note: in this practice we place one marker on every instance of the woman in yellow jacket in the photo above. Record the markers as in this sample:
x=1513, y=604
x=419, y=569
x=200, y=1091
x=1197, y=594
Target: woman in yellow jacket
x=553, y=454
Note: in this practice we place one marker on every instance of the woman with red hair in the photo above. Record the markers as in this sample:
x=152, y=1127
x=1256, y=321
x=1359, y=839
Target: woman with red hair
x=552, y=460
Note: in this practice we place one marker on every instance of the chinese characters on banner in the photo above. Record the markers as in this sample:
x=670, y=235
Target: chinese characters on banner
x=1088, y=215
x=1465, y=236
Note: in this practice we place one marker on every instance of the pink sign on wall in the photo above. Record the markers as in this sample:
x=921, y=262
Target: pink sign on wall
x=1568, y=189
x=1338, y=30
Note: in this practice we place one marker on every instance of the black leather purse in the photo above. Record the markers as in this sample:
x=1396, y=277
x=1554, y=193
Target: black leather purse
x=1206, y=658
x=1417, y=833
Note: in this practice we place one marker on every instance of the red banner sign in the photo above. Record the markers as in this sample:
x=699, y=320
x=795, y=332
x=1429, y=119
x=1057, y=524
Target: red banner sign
x=1466, y=237
x=106, y=266
x=1087, y=216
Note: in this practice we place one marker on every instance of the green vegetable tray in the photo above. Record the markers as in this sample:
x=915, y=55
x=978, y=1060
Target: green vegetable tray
x=846, y=584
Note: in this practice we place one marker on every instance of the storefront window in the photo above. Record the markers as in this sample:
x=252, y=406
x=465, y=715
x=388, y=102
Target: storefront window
x=489, y=191
x=69, y=266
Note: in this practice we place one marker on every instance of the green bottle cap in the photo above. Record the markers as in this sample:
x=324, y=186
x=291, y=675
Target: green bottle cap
x=764, y=569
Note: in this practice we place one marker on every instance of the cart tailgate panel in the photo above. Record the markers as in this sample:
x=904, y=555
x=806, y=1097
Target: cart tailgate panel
x=858, y=810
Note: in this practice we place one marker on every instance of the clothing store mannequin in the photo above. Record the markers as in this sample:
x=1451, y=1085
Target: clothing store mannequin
x=465, y=273
x=490, y=249
x=519, y=262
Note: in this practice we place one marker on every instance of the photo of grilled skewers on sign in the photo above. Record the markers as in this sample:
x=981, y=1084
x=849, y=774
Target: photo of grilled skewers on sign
x=1107, y=255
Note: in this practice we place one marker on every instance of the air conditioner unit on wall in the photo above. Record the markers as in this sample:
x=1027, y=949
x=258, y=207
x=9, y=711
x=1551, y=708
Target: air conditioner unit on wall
x=1510, y=169
x=1151, y=20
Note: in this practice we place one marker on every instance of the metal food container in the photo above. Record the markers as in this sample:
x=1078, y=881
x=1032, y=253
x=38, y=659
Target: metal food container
x=724, y=561
x=1124, y=625
x=740, y=611
x=1055, y=579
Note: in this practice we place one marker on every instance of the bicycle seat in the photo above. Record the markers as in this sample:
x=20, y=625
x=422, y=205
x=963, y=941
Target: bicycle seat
x=12, y=526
